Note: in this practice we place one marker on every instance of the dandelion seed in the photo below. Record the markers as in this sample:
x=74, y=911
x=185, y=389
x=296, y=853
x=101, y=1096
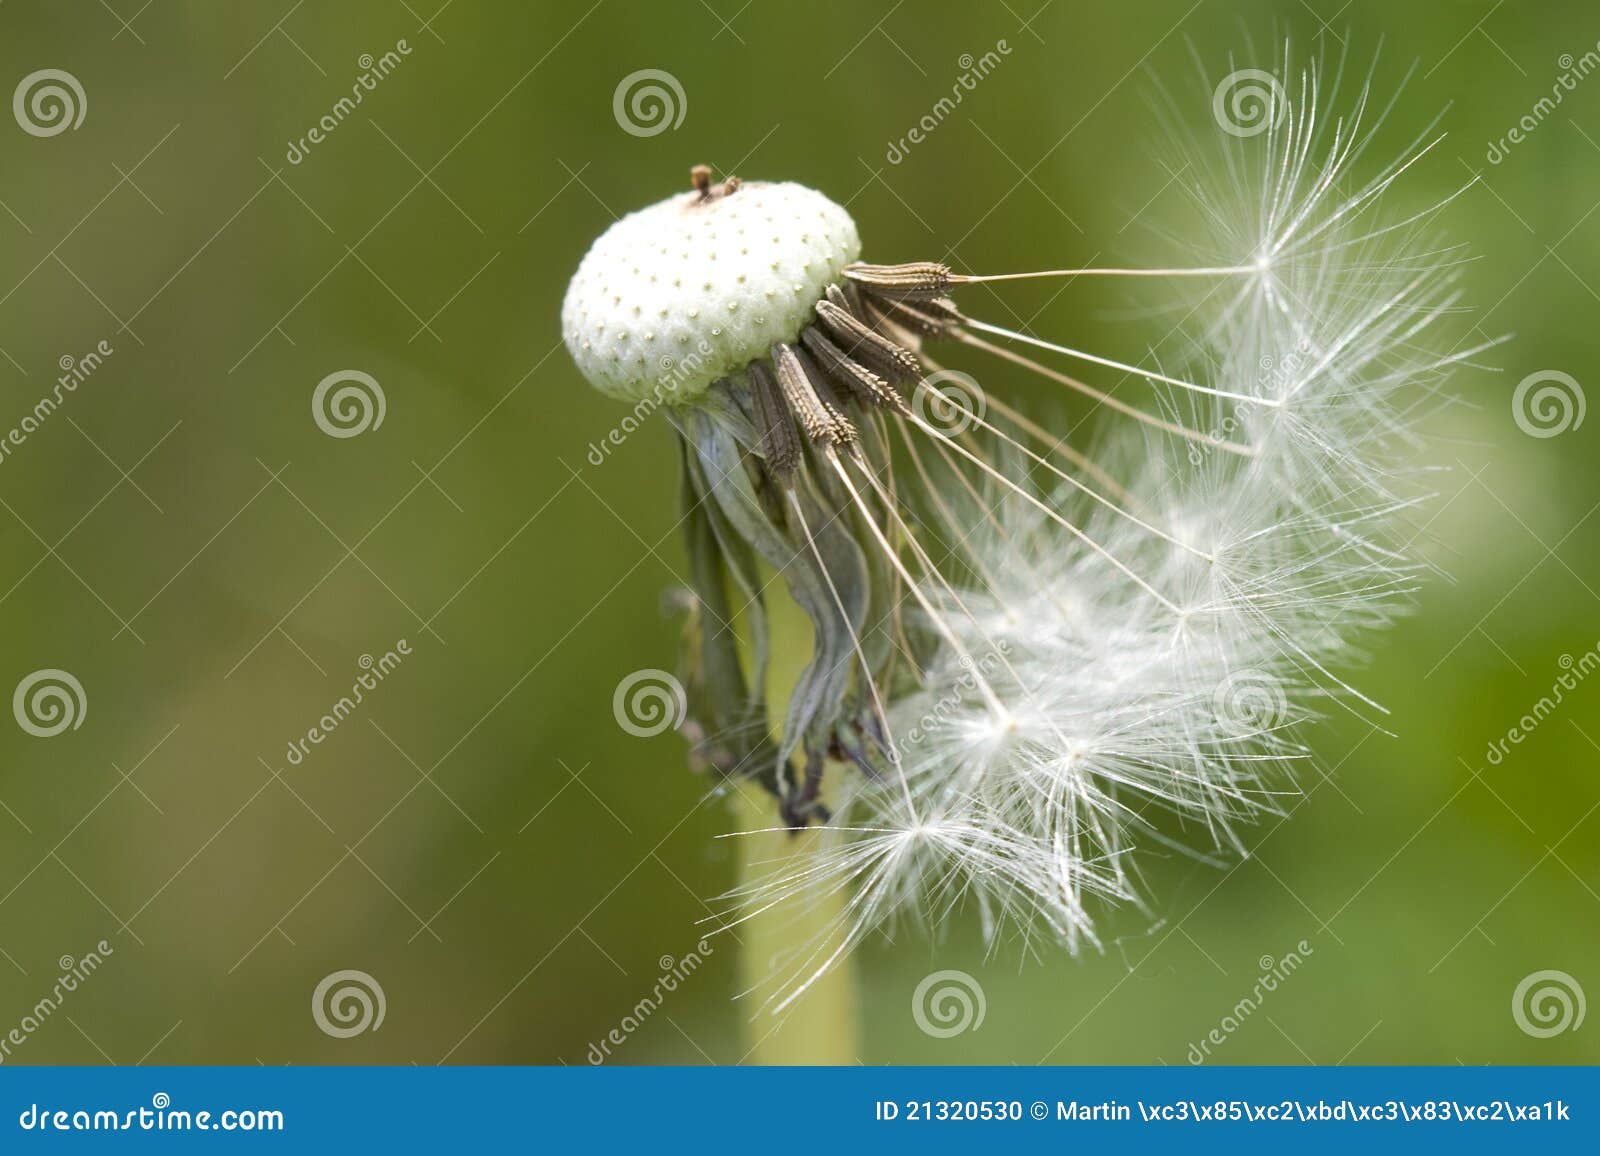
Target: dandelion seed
x=1032, y=659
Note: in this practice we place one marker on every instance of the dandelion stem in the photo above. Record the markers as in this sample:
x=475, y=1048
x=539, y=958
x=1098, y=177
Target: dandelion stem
x=820, y=1026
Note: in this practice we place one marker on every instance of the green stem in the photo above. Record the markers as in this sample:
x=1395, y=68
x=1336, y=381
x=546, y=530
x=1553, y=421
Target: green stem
x=820, y=1027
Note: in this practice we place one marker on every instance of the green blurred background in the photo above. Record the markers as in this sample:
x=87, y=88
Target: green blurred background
x=482, y=837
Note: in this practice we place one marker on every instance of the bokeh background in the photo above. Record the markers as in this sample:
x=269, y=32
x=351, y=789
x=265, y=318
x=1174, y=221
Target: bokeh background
x=481, y=837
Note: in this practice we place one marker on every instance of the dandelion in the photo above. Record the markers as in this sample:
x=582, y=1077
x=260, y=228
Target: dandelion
x=1032, y=656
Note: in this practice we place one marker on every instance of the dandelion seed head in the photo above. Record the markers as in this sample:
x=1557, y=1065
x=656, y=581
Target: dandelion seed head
x=675, y=296
x=1038, y=656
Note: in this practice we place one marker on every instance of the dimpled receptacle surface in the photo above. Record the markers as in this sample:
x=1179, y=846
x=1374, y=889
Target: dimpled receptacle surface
x=675, y=296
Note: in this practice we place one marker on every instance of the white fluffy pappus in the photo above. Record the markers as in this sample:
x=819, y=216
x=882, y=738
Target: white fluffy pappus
x=1127, y=644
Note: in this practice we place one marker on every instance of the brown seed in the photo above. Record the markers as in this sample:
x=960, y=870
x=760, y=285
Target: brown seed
x=855, y=377
x=847, y=296
x=779, y=442
x=818, y=413
x=860, y=341
x=913, y=279
x=827, y=392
